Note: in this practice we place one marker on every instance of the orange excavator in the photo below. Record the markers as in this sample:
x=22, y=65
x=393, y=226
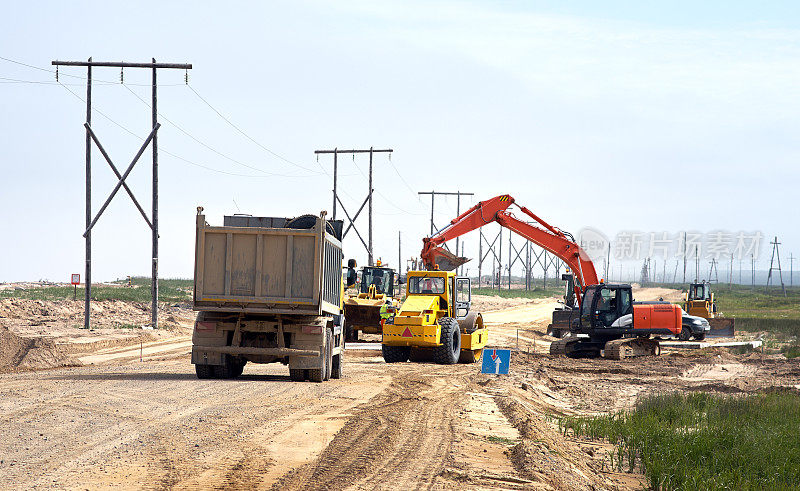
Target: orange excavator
x=609, y=321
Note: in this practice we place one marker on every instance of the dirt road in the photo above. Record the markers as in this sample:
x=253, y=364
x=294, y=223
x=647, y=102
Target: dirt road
x=154, y=425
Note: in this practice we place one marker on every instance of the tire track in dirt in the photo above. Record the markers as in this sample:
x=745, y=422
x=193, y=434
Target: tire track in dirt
x=399, y=440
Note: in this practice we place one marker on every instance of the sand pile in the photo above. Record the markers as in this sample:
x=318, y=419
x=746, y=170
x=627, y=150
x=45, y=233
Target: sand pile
x=17, y=352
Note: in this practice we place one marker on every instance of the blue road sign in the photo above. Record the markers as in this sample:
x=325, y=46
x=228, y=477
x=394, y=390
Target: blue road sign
x=496, y=361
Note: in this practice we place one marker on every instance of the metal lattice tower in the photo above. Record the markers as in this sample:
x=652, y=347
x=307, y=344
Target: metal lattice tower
x=775, y=255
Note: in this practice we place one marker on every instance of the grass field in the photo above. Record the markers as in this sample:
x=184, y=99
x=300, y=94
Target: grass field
x=170, y=290
x=703, y=441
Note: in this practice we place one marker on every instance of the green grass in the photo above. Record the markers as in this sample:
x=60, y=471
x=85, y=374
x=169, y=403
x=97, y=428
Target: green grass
x=704, y=441
x=170, y=290
x=501, y=440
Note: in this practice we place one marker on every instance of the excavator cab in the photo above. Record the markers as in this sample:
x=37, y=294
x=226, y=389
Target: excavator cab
x=603, y=304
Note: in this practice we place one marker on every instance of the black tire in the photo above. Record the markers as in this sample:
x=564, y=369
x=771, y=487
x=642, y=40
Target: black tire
x=297, y=374
x=204, y=371
x=685, y=334
x=448, y=352
x=328, y=354
x=351, y=334
x=700, y=337
x=316, y=375
x=336, y=366
x=239, y=366
x=228, y=369
x=395, y=354
x=308, y=221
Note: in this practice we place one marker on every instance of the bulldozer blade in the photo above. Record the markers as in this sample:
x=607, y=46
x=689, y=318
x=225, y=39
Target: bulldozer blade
x=721, y=328
x=446, y=260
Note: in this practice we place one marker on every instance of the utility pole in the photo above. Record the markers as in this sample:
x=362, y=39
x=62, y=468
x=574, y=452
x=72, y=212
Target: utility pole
x=399, y=257
x=696, y=264
x=367, y=201
x=791, y=269
x=684, y=257
x=458, y=195
x=740, y=271
x=730, y=272
x=152, y=139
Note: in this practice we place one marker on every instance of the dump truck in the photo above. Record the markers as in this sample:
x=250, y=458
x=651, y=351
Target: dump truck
x=373, y=304
x=268, y=289
x=436, y=321
x=700, y=301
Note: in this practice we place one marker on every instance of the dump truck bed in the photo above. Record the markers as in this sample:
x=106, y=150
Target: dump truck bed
x=267, y=270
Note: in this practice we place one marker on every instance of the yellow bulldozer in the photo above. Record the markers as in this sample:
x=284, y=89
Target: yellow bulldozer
x=374, y=302
x=701, y=302
x=435, y=321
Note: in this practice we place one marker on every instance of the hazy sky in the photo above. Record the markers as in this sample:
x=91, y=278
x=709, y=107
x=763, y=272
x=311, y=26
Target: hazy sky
x=634, y=116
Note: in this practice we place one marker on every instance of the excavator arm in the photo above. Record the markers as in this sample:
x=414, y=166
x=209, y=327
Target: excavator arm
x=550, y=238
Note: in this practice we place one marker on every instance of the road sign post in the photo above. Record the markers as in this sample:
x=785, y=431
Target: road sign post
x=75, y=280
x=496, y=361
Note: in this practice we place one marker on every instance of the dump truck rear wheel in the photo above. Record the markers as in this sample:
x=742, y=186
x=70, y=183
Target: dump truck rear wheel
x=448, y=352
x=229, y=368
x=336, y=366
x=204, y=371
x=297, y=374
x=328, y=354
x=316, y=375
x=685, y=334
x=395, y=354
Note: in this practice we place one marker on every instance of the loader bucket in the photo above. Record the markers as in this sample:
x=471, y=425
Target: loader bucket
x=721, y=327
x=363, y=317
x=446, y=260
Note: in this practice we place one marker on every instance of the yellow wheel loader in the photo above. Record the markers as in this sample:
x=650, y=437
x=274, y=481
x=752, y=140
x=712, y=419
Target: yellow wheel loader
x=435, y=321
x=700, y=302
x=374, y=303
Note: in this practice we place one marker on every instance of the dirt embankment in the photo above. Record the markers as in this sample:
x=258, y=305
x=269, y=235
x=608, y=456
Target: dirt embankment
x=40, y=334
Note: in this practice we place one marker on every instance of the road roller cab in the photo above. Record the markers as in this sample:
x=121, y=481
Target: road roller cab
x=435, y=321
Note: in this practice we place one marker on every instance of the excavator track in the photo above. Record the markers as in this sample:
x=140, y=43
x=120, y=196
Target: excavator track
x=630, y=347
x=559, y=346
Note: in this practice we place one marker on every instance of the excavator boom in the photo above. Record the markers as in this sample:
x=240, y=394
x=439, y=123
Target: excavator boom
x=550, y=238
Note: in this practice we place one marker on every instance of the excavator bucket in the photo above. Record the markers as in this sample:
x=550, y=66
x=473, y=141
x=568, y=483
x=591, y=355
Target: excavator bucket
x=446, y=260
x=721, y=327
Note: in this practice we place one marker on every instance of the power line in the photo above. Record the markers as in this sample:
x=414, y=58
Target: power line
x=225, y=156
x=237, y=128
x=171, y=154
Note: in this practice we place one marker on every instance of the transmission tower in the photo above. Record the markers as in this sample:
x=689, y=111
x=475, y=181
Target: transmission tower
x=775, y=255
x=645, y=276
x=712, y=270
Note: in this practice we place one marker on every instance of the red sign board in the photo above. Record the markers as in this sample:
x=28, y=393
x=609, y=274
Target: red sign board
x=76, y=279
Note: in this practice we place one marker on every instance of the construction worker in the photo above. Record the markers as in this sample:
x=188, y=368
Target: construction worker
x=385, y=314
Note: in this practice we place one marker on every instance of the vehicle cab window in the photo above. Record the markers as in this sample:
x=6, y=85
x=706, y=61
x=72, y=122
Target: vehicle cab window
x=625, y=302
x=425, y=285
x=606, y=308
